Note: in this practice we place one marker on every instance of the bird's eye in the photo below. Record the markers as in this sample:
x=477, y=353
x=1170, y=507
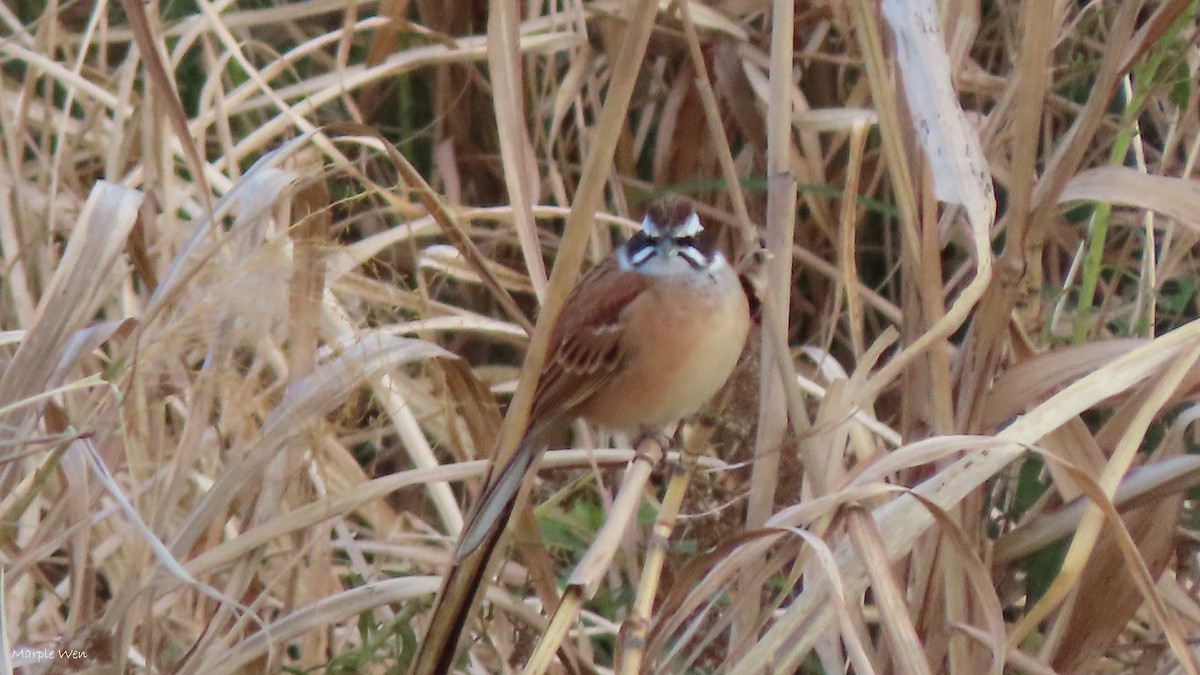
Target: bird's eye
x=689, y=241
x=653, y=240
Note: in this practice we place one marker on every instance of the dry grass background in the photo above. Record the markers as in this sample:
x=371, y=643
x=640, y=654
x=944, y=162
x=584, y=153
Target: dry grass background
x=269, y=268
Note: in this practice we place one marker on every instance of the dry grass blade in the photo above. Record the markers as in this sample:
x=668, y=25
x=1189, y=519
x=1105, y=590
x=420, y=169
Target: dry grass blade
x=164, y=87
x=1110, y=595
x=1145, y=485
x=1029, y=382
x=1137, y=567
x=73, y=296
x=1176, y=198
x=904, y=647
x=5, y=660
x=311, y=231
x=980, y=582
x=951, y=146
x=517, y=152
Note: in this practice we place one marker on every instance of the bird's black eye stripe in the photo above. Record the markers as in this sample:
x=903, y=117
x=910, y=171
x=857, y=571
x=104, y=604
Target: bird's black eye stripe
x=640, y=248
x=686, y=241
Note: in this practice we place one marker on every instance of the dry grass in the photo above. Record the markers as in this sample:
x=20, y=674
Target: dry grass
x=269, y=270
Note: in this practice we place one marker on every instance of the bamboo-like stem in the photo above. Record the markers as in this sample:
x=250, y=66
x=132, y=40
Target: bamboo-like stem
x=633, y=634
x=781, y=218
x=587, y=575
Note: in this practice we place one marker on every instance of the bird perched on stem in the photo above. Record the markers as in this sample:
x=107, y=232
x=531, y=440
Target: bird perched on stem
x=644, y=339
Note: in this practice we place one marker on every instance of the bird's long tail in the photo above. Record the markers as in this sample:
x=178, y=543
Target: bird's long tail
x=496, y=503
x=465, y=580
x=461, y=588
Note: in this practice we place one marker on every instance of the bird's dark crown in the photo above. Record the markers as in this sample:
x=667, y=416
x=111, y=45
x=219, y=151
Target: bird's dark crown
x=668, y=214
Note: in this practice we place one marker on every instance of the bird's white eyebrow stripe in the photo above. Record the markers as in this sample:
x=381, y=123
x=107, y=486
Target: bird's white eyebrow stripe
x=650, y=227
x=690, y=227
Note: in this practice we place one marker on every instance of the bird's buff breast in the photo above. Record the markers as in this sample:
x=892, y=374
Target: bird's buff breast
x=688, y=337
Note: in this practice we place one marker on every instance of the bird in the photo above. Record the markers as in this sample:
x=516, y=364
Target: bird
x=644, y=339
